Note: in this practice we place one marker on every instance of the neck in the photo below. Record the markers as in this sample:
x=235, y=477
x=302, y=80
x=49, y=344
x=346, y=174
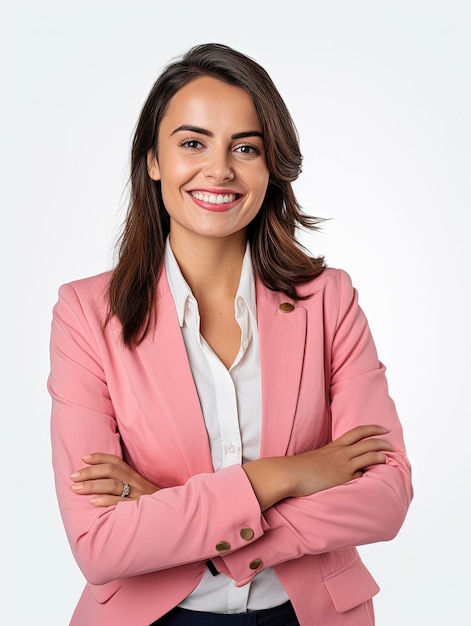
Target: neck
x=210, y=265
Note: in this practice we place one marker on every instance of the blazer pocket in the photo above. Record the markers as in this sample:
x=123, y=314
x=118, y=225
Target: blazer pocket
x=351, y=586
x=102, y=593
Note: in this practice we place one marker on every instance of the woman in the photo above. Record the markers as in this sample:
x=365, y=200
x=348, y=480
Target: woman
x=222, y=431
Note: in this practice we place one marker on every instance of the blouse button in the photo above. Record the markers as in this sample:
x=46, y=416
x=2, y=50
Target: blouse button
x=222, y=546
x=255, y=564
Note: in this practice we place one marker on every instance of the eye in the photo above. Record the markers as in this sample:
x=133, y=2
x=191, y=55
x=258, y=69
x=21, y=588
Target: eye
x=191, y=144
x=248, y=149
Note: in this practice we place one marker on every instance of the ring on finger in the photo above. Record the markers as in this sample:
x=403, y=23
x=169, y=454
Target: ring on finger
x=126, y=489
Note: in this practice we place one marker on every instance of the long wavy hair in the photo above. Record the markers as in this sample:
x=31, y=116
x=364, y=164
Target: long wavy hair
x=280, y=261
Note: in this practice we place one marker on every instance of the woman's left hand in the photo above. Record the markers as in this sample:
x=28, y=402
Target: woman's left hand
x=105, y=477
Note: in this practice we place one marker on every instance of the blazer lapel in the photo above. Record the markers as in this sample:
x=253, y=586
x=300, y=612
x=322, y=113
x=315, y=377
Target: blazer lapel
x=175, y=384
x=282, y=336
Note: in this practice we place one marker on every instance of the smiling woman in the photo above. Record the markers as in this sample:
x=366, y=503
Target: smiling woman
x=211, y=164
x=223, y=437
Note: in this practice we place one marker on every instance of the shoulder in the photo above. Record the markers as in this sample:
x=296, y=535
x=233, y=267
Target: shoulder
x=328, y=297
x=87, y=288
x=331, y=296
x=89, y=285
x=334, y=284
x=84, y=297
x=328, y=290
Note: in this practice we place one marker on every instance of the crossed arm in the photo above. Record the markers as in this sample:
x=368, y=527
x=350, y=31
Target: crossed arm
x=356, y=489
x=273, y=479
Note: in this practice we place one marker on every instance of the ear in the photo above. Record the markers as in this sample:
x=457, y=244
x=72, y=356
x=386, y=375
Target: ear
x=153, y=168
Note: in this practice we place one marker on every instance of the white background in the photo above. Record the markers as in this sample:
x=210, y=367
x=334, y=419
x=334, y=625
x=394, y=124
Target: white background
x=380, y=93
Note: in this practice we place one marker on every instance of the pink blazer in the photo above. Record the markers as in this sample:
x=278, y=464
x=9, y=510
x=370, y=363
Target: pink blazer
x=320, y=377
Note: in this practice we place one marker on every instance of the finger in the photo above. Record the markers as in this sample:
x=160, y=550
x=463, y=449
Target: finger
x=368, y=445
x=104, y=486
x=360, y=432
x=102, y=470
x=369, y=459
x=102, y=457
x=107, y=500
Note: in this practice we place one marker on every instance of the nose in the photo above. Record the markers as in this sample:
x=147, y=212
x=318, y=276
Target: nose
x=218, y=167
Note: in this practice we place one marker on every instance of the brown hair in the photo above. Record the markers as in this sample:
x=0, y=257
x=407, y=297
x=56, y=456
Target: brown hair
x=279, y=259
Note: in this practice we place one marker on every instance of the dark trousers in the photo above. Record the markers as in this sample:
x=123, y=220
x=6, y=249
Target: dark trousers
x=283, y=615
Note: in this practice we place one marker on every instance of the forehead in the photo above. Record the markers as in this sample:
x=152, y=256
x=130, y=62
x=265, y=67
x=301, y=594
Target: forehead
x=208, y=102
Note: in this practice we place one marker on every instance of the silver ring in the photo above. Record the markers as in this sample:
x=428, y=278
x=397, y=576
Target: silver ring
x=126, y=489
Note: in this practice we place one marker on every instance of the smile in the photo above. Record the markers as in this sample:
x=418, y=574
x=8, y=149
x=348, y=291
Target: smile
x=215, y=202
x=211, y=198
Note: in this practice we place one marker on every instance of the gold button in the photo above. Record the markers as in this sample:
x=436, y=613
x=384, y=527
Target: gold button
x=247, y=534
x=286, y=307
x=255, y=564
x=221, y=546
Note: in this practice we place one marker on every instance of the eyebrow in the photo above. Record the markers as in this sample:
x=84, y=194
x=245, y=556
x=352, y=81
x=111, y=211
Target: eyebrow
x=208, y=133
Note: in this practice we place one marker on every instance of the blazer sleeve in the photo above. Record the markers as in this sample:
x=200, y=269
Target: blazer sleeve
x=367, y=509
x=174, y=526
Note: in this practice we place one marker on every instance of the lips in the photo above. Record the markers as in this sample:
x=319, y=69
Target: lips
x=215, y=201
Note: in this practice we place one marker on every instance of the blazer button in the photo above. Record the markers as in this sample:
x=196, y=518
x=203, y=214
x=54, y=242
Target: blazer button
x=255, y=564
x=247, y=534
x=222, y=546
x=286, y=307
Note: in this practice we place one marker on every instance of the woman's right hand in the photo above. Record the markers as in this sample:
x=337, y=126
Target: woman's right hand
x=336, y=463
x=104, y=477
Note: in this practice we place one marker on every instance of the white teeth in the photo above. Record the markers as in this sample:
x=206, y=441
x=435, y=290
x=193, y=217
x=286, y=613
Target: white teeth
x=212, y=198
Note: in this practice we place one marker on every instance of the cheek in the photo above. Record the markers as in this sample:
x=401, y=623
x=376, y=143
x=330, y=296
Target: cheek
x=178, y=172
x=171, y=180
x=262, y=184
x=263, y=175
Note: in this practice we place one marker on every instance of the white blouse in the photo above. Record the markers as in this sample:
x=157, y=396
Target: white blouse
x=231, y=404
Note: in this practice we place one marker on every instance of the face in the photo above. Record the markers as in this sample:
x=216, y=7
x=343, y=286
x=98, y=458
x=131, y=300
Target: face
x=210, y=161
